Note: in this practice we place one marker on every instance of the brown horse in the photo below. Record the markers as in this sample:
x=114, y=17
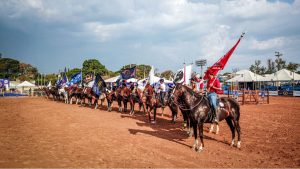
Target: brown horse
x=110, y=97
x=136, y=97
x=150, y=102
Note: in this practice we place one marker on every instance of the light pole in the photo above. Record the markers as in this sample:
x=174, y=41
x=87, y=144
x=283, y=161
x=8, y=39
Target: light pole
x=201, y=63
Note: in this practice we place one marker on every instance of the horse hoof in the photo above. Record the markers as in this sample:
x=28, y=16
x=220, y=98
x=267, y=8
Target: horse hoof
x=199, y=150
x=153, y=122
x=238, y=145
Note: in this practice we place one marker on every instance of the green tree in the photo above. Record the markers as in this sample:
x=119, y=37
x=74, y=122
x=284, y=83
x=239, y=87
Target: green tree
x=257, y=68
x=72, y=72
x=292, y=66
x=280, y=63
x=93, y=65
x=168, y=74
x=9, y=68
x=270, y=66
x=51, y=78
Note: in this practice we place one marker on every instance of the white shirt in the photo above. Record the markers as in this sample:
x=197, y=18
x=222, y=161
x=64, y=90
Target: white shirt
x=90, y=84
x=162, y=87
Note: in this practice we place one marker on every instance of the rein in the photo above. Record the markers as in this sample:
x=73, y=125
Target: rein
x=182, y=107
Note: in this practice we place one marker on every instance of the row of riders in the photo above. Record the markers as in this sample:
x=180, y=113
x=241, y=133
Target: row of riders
x=197, y=107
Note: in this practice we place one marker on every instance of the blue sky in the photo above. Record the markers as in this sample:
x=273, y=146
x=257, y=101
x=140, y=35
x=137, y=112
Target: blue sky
x=52, y=34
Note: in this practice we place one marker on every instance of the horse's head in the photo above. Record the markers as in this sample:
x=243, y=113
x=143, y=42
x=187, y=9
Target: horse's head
x=178, y=90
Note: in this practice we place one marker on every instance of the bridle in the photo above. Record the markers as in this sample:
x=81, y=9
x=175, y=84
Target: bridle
x=181, y=106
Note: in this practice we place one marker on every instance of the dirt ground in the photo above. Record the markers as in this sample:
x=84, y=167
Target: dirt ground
x=36, y=132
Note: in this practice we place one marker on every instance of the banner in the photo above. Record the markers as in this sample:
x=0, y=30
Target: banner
x=99, y=84
x=128, y=73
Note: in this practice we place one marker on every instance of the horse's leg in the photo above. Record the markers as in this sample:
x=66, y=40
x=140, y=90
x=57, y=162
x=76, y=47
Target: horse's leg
x=149, y=116
x=217, y=128
x=120, y=105
x=232, y=128
x=154, y=115
x=125, y=105
x=211, y=127
x=162, y=111
x=131, y=106
x=96, y=103
x=201, y=137
x=238, y=130
x=195, y=145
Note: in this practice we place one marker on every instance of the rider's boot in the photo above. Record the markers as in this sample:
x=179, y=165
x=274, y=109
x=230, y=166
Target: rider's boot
x=216, y=115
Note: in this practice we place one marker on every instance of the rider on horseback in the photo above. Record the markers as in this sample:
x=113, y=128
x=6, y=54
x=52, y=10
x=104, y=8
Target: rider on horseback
x=162, y=91
x=213, y=87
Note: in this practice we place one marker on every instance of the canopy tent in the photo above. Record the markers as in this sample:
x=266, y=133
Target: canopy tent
x=113, y=79
x=246, y=76
x=25, y=84
x=282, y=75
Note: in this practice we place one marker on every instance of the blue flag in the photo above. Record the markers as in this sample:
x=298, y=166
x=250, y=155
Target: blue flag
x=128, y=73
x=99, y=83
x=58, y=82
x=75, y=78
x=64, y=80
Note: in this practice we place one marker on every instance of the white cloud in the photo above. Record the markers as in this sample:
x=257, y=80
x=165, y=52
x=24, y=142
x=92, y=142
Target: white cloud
x=269, y=44
x=162, y=30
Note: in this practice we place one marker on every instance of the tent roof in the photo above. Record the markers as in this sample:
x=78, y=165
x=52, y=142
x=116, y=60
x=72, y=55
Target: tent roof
x=245, y=76
x=113, y=79
x=25, y=84
x=281, y=75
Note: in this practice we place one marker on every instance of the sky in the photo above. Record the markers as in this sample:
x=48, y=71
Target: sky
x=53, y=34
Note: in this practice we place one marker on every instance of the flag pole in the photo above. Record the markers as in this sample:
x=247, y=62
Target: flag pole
x=81, y=76
x=184, y=73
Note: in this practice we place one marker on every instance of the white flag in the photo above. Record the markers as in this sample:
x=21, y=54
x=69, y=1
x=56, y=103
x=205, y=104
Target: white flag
x=184, y=75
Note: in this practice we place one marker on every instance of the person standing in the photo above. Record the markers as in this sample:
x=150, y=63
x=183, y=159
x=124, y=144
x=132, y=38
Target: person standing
x=213, y=87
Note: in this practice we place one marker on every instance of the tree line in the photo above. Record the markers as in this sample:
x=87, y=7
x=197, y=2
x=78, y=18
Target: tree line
x=15, y=70
x=273, y=66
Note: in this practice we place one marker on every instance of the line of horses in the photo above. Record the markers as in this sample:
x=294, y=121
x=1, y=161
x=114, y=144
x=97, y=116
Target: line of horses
x=195, y=108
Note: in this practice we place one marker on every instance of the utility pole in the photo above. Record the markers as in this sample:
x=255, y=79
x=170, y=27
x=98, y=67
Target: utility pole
x=277, y=54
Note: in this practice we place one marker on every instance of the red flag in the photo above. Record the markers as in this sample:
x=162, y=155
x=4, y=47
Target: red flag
x=220, y=64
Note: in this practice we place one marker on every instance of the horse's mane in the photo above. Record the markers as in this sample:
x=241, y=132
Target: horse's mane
x=191, y=91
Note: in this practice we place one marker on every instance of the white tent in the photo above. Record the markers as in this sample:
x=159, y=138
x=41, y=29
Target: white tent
x=112, y=80
x=282, y=75
x=133, y=80
x=246, y=76
x=25, y=84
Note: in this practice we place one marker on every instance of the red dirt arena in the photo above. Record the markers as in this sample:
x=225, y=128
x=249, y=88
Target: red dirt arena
x=36, y=132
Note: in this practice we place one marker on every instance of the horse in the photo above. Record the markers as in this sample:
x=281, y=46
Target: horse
x=54, y=92
x=136, y=97
x=47, y=92
x=72, y=93
x=79, y=95
x=152, y=102
x=200, y=113
x=110, y=97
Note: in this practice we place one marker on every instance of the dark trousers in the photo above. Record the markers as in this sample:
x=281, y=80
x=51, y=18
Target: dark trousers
x=162, y=96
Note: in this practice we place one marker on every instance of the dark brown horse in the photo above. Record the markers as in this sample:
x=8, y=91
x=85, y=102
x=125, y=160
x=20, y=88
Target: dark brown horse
x=200, y=112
